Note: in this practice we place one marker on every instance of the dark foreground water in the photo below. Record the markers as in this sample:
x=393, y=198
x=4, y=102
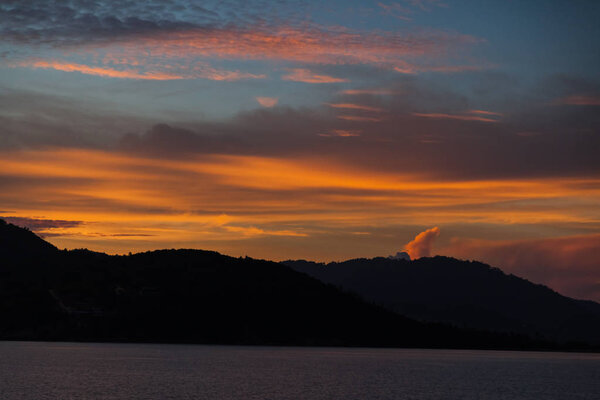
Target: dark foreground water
x=36, y=370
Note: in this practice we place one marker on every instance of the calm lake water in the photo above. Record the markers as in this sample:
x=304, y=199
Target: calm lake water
x=37, y=370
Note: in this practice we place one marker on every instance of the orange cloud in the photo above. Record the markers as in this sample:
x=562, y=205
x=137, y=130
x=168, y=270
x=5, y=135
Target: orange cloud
x=202, y=72
x=267, y=101
x=352, y=106
x=305, y=75
x=100, y=71
x=421, y=245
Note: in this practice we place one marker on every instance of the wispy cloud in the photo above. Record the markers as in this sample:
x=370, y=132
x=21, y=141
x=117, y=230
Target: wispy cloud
x=100, y=71
x=157, y=41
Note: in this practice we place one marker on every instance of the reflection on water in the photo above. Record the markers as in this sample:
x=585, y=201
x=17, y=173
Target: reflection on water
x=36, y=370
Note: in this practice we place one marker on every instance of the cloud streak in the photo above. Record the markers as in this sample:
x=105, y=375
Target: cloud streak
x=455, y=116
x=41, y=225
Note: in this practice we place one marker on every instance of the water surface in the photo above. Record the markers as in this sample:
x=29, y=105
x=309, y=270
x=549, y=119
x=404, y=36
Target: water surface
x=38, y=370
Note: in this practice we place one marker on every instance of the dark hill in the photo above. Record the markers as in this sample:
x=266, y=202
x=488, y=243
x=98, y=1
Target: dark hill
x=196, y=297
x=463, y=293
x=16, y=242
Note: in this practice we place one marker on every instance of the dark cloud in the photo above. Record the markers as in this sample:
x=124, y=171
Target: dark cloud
x=536, y=140
x=531, y=139
x=73, y=22
x=37, y=225
x=31, y=119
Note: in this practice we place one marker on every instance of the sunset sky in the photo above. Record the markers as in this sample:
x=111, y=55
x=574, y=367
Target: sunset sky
x=316, y=130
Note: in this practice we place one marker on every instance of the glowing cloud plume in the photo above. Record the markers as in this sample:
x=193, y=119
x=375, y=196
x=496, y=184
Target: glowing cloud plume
x=421, y=245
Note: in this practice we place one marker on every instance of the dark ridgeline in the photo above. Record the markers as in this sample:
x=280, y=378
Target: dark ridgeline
x=463, y=293
x=197, y=296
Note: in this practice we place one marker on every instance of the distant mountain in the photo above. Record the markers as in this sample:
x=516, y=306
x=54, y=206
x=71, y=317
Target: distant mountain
x=463, y=293
x=197, y=296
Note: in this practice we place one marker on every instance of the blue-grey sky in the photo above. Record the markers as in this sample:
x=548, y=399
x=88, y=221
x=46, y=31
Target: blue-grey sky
x=308, y=129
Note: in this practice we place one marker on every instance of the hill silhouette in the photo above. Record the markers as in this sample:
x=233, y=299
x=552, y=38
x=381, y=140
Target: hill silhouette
x=16, y=242
x=466, y=294
x=194, y=296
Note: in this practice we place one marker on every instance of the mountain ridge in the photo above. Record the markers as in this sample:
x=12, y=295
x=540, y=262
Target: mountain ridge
x=200, y=296
x=463, y=293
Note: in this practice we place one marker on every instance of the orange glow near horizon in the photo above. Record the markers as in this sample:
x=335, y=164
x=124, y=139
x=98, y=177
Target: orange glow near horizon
x=128, y=202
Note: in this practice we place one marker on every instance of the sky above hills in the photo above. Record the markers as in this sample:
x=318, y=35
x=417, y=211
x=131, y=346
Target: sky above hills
x=299, y=129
